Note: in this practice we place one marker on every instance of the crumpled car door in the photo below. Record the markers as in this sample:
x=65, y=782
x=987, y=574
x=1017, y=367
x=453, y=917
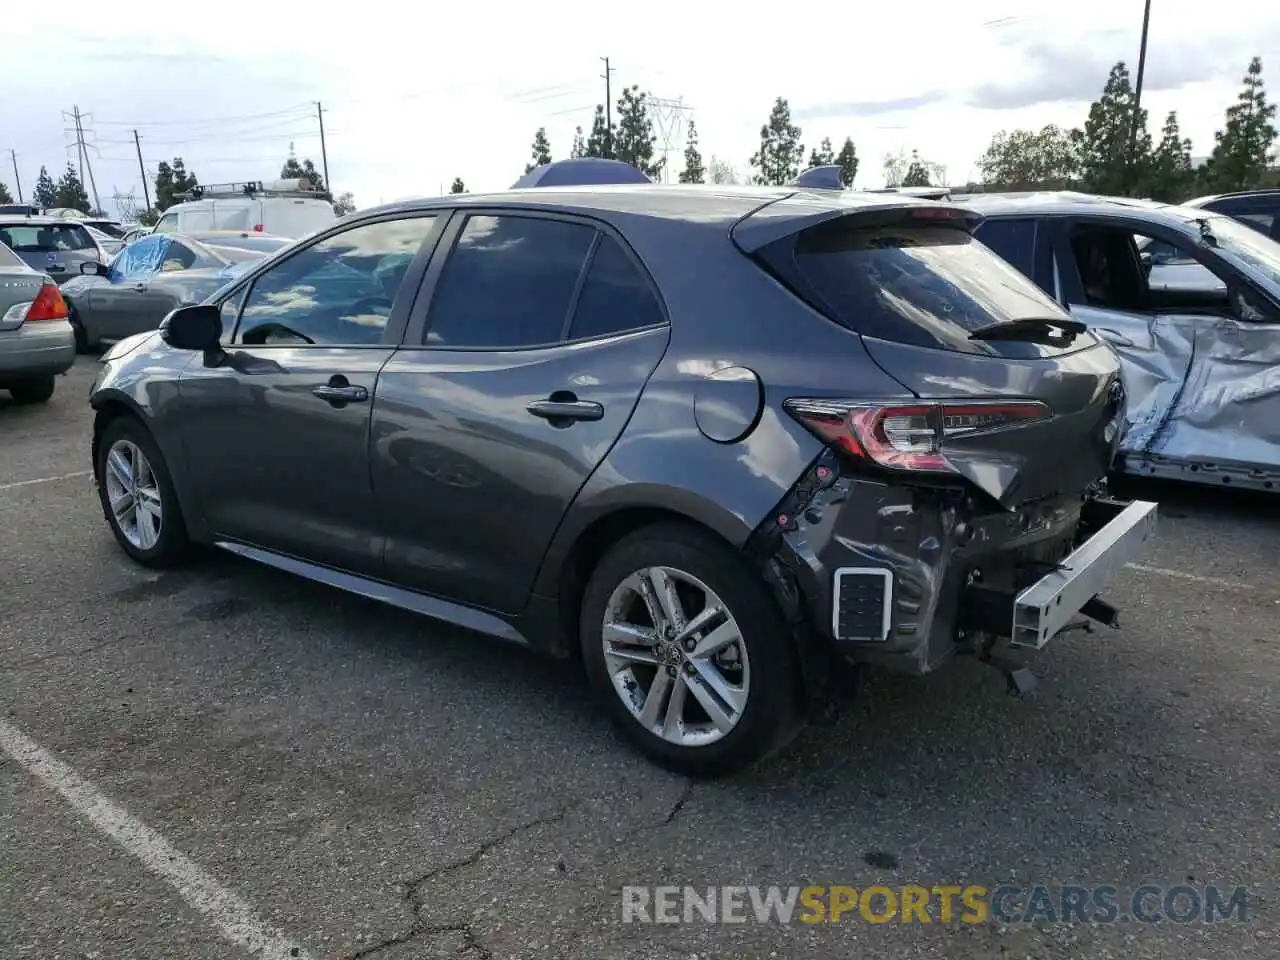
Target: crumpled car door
x=1228, y=413
x=1156, y=355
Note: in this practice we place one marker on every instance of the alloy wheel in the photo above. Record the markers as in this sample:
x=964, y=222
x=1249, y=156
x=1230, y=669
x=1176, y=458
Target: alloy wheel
x=675, y=656
x=133, y=494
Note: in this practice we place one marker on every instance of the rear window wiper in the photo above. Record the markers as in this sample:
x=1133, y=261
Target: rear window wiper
x=1051, y=330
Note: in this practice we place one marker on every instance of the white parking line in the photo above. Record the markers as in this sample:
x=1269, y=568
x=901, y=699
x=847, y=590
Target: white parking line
x=233, y=917
x=61, y=476
x=1194, y=578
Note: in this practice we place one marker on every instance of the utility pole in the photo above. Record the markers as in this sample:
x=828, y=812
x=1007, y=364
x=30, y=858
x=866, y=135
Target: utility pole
x=1137, y=90
x=83, y=151
x=608, y=108
x=324, y=154
x=146, y=194
x=16, y=179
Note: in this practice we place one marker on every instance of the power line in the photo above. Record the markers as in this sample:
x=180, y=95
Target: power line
x=203, y=120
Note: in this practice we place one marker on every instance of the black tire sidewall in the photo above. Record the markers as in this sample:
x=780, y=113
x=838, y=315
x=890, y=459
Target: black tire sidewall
x=771, y=717
x=173, y=545
x=35, y=390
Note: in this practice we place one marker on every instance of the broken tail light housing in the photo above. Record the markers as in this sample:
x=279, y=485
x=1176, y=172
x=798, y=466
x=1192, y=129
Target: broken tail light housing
x=908, y=436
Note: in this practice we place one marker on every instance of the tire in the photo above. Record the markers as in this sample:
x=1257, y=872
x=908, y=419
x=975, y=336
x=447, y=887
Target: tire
x=167, y=546
x=35, y=390
x=82, y=339
x=765, y=682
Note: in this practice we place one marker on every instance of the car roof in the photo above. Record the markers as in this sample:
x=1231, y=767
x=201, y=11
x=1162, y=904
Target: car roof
x=1263, y=192
x=1067, y=203
x=11, y=219
x=687, y=202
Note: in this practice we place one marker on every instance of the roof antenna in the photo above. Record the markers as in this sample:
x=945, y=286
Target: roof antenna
x=826, y=177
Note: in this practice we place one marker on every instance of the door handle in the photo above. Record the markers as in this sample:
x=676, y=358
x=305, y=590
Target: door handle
x=140, y=287
x=336, y=393
x=562, y=409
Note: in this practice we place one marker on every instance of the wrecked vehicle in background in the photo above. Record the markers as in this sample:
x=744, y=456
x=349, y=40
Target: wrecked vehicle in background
x=1190, y=299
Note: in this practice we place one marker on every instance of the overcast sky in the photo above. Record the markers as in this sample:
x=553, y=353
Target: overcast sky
x=414, y=97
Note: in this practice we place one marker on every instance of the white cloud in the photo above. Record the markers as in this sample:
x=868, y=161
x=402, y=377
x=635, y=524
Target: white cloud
x=415, y=97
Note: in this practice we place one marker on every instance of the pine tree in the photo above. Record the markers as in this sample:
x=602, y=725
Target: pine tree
x=634, y=139
x=781, y=151
x=579, y=148
x=822, y=155
x=46, y=190
x=1115, y=147
x=599, y=142
x=694, y=170
x=458, y=186
x=1243, y=149
x=541, y=150
x=5, y=195
x=1170, y=178
x=848, y=162
x=70, y=191
x=917, y=174
x=171, y=182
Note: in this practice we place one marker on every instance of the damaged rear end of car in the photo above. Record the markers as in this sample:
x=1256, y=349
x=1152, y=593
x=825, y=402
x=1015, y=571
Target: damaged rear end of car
x=973, y=516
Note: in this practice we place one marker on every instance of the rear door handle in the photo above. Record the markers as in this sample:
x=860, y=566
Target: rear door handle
x=336, y=394
x=566, y=410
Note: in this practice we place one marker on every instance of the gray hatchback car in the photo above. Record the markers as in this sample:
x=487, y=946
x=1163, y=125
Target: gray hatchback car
x=717, y=442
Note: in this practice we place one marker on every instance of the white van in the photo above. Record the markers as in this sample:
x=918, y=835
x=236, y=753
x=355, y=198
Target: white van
x=283, y=208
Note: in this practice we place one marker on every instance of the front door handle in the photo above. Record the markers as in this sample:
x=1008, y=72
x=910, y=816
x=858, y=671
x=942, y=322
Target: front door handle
x=562, y=409
x=140, y=287
x=340, y=393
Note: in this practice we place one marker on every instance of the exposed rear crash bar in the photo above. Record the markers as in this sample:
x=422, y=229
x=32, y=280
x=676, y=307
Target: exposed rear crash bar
x=1044, y=608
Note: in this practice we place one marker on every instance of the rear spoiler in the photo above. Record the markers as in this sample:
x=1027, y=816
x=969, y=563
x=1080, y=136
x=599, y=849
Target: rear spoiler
x=798, y=212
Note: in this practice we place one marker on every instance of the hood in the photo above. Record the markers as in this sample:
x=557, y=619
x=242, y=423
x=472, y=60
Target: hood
x=122, y=348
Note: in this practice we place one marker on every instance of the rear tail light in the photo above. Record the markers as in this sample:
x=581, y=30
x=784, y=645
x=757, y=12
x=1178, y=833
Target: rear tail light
x=257, y=228
x=937, y=213
x=48, y=305
x=907, y=436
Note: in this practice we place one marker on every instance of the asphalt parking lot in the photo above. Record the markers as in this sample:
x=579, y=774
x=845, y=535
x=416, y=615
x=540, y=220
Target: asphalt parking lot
x=182, y=751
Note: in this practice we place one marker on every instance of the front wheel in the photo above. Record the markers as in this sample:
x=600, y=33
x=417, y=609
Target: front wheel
x=689, y=653
x=137, y=495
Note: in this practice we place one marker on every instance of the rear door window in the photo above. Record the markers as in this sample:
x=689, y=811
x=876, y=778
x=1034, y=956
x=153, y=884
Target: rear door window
x=927, y=286
x=616, y=296
x=1013, y=240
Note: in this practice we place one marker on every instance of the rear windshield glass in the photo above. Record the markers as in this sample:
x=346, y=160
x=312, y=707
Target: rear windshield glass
x=46, y=238
x=107, y=227
x=924, y=286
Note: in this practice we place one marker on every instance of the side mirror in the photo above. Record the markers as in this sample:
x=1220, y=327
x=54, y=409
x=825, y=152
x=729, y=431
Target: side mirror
x=193, y=328
x=92, y=268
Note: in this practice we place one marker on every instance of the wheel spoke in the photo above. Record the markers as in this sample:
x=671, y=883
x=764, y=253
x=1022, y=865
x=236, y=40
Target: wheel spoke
x=701, y=619
x=715, y=641
x=733, y=698
x=121, y=503
x=671, y=726
x=664, y=589
x=656, y=702
x=715, y=710
x=120, y=468
x=616, y=632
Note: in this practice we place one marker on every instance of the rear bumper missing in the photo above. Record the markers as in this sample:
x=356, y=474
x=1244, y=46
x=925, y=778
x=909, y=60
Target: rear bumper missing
x=907, y=578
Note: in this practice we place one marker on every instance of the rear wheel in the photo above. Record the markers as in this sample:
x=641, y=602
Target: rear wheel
x=688, y=652
x=35, y=390
x=137, y=496
x=82, y=339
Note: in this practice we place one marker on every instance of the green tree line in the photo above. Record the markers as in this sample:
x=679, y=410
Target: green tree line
x=1115, y=154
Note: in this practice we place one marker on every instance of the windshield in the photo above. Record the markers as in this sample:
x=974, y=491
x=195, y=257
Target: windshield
x=46, y=238
x=1246, y=244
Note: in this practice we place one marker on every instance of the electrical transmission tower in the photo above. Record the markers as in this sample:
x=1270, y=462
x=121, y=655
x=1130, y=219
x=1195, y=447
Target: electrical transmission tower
x=669, y=118
x=126, y=204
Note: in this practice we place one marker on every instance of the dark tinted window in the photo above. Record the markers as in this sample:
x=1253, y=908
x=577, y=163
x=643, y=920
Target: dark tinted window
x=178, y=257
x=921, y=285
x=337, y=291
x=509, y=282
x=615, y=297
x=1013, y=240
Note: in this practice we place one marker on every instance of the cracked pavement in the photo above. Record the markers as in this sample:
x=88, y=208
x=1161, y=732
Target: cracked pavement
x=378, y=786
